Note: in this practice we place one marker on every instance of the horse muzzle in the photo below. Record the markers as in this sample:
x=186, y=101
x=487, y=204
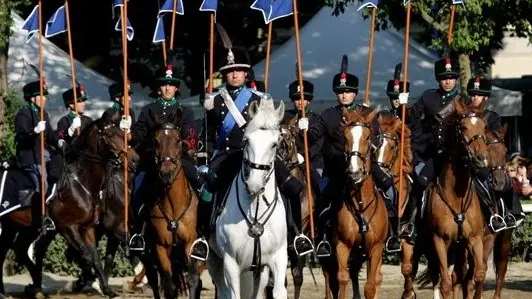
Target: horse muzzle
x=167, y=176
x=480, y=161
x=356, y=176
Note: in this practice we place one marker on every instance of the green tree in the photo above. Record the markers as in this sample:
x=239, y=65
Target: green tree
x=479, y=26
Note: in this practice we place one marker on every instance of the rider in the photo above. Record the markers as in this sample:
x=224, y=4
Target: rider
x=393, y=90
x=116, y=93
x=69, y=124
x=330, y=127
x=142, y=139
x=28, y=127
x=480, y=89
x=227, y=113
x=316, y=159
x=428, y=142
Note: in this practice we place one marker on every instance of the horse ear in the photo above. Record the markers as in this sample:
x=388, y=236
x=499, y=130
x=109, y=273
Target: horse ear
x=253, y=108
x=504, y=130
x=459, y=106
x=371, y=116
x=280, y=111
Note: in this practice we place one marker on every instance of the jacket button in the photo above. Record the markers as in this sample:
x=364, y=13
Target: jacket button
x=223, y=113
x=164, y=113
x=227, y=148
x=226, y=138
x=223, y=104
x=245, y=112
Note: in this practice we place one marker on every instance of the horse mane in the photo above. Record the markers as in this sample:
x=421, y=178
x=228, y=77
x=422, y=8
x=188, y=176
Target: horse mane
x=390, y=123
x=265, y=117
x=493, y=153
x=358, y=115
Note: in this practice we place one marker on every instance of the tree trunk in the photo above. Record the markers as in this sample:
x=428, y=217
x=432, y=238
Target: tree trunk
x=5, y=27
x=465, y=70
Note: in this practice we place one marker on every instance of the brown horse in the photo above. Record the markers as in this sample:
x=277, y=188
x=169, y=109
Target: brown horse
x=388, y=159
x=173, y=216
x=360, y=227
x=453, y=210
x=287, y=152
x=75, y=208
x=499, y=243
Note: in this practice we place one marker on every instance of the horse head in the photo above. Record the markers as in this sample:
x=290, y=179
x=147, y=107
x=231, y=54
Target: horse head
x=287, y=150
x=167, y=140
x=497, y=158
x=470, y=130
x=260, y=143
x=358, y=132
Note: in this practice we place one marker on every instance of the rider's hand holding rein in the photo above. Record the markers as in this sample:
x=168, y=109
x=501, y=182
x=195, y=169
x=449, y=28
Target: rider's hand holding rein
x=41, y=126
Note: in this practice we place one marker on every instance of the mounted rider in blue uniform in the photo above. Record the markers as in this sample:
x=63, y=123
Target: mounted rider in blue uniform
x=227, y=114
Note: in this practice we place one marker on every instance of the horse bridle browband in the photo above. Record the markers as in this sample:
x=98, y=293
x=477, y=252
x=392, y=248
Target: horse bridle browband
x=161, y=160
x=358, y=154
x=465, y=142
x=395, y=139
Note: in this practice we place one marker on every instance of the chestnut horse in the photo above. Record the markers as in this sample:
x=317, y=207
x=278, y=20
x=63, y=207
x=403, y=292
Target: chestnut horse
x=75, y=208
x=287, y=152
x=173, y=216
x=453, y=209
x=499, y=243
x=360, y=227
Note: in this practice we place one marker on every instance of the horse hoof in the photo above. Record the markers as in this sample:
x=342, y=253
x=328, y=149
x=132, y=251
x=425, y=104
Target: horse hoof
x=30, y=290
x=111, y=294
x=40, y=295
x=128, y=287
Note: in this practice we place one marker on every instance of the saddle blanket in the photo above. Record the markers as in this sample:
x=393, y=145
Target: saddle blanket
x=11, y=181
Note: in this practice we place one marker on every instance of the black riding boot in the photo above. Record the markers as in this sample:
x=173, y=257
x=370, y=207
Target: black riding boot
x=495, y=222
x=517, y=215
x=292, y=189
x=393, y=244
x=200, y=247
x=324, y=249
x=136, y=242
x=408, y=230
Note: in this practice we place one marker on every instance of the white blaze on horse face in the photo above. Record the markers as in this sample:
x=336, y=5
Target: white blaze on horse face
x=474, y=120
x=382, y=150
x=356, y=137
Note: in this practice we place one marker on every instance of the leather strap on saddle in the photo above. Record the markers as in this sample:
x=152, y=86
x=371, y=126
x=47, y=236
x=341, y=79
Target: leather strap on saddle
x=228, y=101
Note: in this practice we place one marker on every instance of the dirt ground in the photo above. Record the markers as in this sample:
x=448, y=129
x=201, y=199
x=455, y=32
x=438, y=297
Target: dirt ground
x=518, y=285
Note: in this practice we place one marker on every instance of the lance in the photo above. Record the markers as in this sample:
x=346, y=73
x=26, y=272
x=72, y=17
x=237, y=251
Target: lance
x=451, y=25
x=41, y=116
x=268, y=50
x=370, y=54
x=125, y=95
x=163, y=43
x=402, y=205
x=172, y=30
x=72, y=67
x=303, y=115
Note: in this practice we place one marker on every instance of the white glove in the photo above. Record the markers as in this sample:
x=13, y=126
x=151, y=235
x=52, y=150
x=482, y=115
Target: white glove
x=61, y=143
x=41, y=126
x=300, y=158
x=302, y=123
x=403, y=97
x=125, y=123
x=76, y=123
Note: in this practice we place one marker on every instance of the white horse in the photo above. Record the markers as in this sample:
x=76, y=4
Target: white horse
x=239, y=263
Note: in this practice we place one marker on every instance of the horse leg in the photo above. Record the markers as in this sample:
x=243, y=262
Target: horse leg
x=501, y=255
x=193, y=279
x=445, y=280
x=297, y=264
x=476, y=248
x=149, y=262
x=110, y=252
x=24, y=239
x=342, y=256
x=374, y=274
x=407, y=269
x=354, y=270
x=165, y=271
x=7, y=236
x=89, y=242
x=278, y=267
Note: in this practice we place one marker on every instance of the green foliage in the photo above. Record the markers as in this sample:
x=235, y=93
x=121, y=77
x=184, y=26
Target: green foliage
x=7, y=123
x=522, y=240
x=479, y=25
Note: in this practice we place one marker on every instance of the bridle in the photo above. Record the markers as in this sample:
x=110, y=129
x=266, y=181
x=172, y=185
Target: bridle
x=364, y=157
x=388, y=165
x=463, y=139
x=247, y=165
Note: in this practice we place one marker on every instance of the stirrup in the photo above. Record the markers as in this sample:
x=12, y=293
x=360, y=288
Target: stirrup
x=514, y=221
x=309, y=242
x=494, y=216
x=47, y=224
x=136, y=248
x=327, y=245
x=199, y=258
x=388, y=242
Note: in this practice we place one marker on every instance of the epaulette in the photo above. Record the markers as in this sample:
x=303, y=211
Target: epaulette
x=260, y=93
x=208, y=104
